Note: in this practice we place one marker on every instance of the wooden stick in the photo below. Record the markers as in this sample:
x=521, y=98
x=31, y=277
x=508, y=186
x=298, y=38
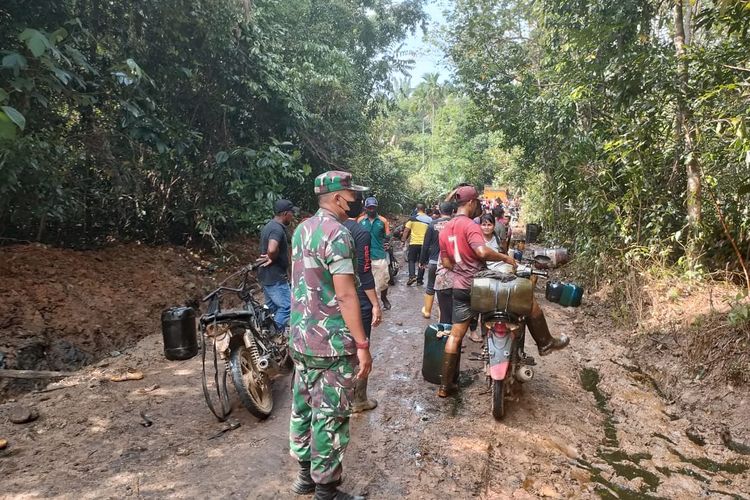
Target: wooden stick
x=32, y=374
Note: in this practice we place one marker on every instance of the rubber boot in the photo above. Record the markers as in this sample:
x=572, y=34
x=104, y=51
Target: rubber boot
x=384, y=299
x=427, y=308
x=361, y=403
x=450, y=368
x=544, y=340
x=303, y=485
x=331, y=492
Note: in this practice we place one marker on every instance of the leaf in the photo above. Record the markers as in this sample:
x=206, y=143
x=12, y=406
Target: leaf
x=35, y=40
x=58, y=34
x=222, y=157
x=15, y=116
x=62, y=75
x=3, y=95
x=7, y=129
x=15, y=61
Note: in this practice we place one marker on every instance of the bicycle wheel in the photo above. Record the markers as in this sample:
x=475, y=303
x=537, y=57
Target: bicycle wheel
x=214, y=379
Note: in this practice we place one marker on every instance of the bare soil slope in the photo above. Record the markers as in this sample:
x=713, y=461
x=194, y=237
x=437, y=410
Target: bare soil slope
x=62, y=309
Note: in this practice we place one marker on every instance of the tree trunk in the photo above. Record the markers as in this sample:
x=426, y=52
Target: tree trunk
x=685, y=130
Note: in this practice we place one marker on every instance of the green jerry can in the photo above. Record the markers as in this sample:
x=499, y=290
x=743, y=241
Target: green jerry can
x=435, y=336
x=571, y=295
x=490, y=295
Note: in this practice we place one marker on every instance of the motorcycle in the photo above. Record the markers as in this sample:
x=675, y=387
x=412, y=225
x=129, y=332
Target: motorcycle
x=507, y=366
x=242, y=343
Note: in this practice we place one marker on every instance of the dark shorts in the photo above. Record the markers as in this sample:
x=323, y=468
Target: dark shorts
x=462, y=306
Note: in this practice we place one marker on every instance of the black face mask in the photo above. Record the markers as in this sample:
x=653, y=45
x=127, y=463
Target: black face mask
x=355, y=208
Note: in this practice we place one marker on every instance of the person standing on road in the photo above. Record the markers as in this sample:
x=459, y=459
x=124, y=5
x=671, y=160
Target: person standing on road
x=430, y=256
x=463, y=250
x=328, y=342
x=369, y=306
x=380, y=235
x=414, y=232
x=274, y=262
x=501, y=230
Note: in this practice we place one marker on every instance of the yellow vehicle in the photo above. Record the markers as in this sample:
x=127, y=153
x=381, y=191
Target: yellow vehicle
x=492, y=193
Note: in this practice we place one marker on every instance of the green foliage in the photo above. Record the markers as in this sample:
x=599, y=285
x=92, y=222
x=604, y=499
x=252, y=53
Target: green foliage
x=433, y=136
x=177, y=120
x=589, y=93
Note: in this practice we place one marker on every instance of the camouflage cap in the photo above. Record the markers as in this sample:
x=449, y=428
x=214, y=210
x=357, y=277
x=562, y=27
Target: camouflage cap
x=335, y=180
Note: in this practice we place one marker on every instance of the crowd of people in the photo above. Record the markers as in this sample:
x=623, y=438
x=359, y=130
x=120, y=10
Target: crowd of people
x=329, y=286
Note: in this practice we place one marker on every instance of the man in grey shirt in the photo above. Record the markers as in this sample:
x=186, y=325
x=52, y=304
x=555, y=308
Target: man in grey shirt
x=274, y=271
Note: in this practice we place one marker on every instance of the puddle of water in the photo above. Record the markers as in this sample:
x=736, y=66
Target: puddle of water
x=711, y=466
x=590, y=381
x=631, y=472
x=619, y=455
x=684, y=471
x=625, y=465
x=611, y=491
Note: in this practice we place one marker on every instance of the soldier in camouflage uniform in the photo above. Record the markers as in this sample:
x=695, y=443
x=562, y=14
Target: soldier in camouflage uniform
x=328, y=342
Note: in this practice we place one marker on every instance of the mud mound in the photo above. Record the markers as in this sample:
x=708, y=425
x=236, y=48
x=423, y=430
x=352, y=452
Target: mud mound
x=61, y=309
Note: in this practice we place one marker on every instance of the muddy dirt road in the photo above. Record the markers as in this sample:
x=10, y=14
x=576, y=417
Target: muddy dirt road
x=588, y=425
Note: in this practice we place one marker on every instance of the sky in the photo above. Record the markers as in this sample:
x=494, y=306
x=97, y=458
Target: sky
x=428, y=57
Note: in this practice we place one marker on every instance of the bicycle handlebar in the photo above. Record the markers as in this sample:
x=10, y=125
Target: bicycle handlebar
x=245, y=270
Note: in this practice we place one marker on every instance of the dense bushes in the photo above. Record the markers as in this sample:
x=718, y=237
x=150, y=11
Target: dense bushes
x=180, y=119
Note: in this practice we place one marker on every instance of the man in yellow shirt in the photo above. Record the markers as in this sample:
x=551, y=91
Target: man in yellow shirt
x=414, y=232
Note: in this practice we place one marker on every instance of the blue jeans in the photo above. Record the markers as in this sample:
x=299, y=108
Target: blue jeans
x=279, y=300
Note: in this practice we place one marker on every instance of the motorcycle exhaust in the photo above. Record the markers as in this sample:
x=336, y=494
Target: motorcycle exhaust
x=524, y=373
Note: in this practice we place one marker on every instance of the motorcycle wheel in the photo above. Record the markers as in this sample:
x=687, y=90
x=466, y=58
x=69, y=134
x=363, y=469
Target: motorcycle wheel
x=498, y=399
x=214, y=380
x=252, y=385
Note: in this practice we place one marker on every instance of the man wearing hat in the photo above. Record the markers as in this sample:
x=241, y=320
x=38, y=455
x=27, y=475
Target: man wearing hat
x=327, y=339
x=274, y=259
x=380, y=233
x=464, y=252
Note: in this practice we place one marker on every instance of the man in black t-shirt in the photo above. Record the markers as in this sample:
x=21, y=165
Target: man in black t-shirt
x=274, y=271
x=369, y=305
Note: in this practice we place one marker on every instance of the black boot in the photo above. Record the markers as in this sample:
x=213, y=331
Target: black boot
x=331, y=492
x=386, y=302
x=303, y=485
x=448, y=374
x=544, y=340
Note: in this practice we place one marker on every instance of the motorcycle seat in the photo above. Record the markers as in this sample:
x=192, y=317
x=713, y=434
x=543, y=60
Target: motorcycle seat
x=232, y=314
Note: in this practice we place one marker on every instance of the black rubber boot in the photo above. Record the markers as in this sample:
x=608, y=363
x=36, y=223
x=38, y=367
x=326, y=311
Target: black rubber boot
x=450, y=369
x=386, y=302
x=543, y=338
x=331, y=492
x=303, y=485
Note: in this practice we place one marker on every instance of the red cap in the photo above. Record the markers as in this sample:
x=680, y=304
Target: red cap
x=465, y=194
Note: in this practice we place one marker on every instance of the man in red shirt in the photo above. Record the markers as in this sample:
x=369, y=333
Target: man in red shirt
x=464, y=252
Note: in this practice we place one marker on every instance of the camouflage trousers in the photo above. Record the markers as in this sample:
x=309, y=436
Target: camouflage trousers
x=322, y=396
